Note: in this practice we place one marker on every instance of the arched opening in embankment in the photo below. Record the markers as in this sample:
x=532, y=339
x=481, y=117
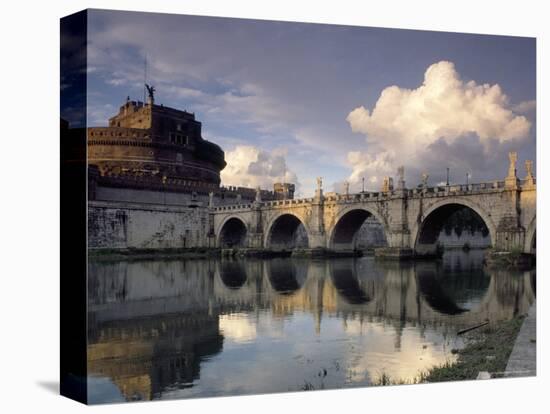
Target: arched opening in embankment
x=286, y=233
x=358, y=230
x=233, y=234
x=453, y=226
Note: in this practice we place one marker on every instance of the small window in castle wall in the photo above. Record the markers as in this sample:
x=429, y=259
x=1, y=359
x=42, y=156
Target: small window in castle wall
x=179, y=158
x=178, y=127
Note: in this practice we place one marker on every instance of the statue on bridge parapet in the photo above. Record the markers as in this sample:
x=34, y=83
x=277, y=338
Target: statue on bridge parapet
x=512, y=181
x=425, y=177
x=258, y=198
x=387, y=184
x=513, y=157
x=529, y=179
x=346, y=188
x=319, y=190
x=401, y=178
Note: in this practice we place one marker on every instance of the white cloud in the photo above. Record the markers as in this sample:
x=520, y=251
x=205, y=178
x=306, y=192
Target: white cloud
x=407, y=124
x=525, y=107
x=443, y=106
x=249, y=166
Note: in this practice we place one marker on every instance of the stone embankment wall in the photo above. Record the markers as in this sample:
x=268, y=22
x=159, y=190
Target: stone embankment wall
x=142, y=226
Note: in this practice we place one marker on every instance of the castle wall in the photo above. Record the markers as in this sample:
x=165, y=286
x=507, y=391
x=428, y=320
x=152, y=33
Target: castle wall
x=134, y=225
x=129, y=195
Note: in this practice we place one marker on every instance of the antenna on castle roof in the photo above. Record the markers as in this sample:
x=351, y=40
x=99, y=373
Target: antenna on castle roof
x=144, y=77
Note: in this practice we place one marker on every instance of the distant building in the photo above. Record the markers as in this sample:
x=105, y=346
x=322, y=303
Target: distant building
x=284, y=190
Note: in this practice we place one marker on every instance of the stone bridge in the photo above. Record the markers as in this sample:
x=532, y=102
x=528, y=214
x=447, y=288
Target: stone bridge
x=412, y=219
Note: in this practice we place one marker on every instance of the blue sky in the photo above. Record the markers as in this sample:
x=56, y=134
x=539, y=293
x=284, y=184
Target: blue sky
x=296, y=100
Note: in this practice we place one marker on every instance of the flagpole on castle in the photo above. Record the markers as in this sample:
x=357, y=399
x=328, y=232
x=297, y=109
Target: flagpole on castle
x=145, y=79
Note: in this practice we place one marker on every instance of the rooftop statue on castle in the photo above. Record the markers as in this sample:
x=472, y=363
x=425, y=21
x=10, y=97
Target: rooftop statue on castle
x=151, y=93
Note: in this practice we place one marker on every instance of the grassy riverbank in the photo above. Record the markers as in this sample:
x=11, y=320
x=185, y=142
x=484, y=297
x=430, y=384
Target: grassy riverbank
x=487, y=349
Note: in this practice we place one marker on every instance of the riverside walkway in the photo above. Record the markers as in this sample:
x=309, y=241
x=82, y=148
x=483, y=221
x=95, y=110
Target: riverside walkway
x=523, y=359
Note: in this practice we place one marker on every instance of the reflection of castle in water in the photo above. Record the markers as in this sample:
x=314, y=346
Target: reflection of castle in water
x=152, y=323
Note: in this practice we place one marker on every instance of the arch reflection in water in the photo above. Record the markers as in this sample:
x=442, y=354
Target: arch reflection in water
x=286, y=276
x=456, y=285
x=233, y=273
x=344, y=277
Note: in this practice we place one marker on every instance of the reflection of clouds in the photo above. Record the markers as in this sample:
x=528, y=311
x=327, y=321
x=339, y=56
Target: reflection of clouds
x=400, y=353
x=243, y=328
x=238, y=327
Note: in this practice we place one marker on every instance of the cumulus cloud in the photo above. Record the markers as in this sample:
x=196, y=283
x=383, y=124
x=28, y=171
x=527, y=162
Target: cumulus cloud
x=525, y=107
x=409, y=126
x=249, y=166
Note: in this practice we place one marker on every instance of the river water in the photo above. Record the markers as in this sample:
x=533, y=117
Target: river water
x=198, y=328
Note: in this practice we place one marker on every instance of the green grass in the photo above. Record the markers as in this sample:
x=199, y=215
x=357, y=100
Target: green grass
x=487, y=349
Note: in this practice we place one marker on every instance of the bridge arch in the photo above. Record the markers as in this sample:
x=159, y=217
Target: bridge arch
x=426, y=230
x=348, y=222
x=233, y=233
x=286, y=231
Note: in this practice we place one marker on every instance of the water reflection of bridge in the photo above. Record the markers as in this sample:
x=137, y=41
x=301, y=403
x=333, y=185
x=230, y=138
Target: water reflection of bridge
x=356, y=287
x=152, y=323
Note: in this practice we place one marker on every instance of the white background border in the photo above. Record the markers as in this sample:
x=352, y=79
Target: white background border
x=29, y=203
